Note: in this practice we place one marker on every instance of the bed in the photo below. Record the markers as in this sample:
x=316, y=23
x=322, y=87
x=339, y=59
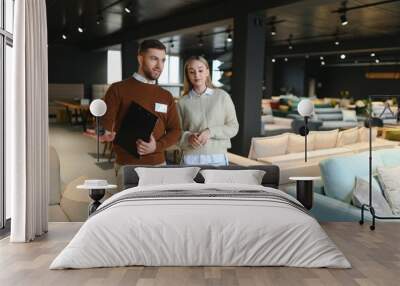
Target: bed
x=198, y=224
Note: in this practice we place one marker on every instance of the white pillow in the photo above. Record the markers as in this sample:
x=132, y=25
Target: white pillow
x=325, y=139
x=296, y=143
x=349, y=115
x=166, y=176
x=389, y=180
x=363, y=134
x=248, y=177
x=269, y=146
x=347, y=137
x=361, y=196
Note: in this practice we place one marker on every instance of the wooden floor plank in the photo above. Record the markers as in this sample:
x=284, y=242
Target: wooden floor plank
x=374, y=255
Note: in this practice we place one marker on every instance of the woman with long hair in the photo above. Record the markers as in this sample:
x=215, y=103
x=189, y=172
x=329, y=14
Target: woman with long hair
x=208, y=117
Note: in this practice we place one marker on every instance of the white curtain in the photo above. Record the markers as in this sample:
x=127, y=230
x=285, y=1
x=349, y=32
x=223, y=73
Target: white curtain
x=27, y=165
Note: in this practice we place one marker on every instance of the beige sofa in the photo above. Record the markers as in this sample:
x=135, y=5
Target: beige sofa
x=287, y=150
x=66, y=203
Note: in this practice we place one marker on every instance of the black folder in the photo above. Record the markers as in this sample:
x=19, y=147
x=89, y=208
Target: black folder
x=138, y=123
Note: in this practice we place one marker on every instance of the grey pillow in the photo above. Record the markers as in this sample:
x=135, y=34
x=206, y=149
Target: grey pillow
x=361, y=196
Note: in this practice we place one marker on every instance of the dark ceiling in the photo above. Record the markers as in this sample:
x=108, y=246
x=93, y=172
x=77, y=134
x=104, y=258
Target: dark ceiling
x=312, y=23
x=64, y=16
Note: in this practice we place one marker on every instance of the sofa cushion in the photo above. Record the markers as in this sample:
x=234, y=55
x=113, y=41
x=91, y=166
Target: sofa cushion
x=363, y=134
x=299, y=157
x=330, y=116
x=324, y=139
x=296, y=143
x=329, y=125
x=376, y=145
x=339, y=173
x=346, y=137
x=327, y=110
x=268, y=146
x=361, y=196
x=267, y=119
x=349, y=115
x=389, y=157
x=389, y=180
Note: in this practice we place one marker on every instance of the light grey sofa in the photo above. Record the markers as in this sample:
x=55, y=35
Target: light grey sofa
x=326, y=119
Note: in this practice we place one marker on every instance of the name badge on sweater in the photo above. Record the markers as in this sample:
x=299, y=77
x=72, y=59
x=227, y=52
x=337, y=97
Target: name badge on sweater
x=161, y=107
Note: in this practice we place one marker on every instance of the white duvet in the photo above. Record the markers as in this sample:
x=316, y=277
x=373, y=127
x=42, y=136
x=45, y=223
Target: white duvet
x=200, y=231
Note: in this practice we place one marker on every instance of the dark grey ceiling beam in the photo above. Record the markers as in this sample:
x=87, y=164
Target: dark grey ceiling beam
x=382, y=44
x=207, y=14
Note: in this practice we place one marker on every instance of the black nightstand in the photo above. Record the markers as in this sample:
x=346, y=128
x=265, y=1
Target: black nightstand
x=304, y=190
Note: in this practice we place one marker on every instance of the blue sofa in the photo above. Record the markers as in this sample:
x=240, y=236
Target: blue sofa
x=332, y=196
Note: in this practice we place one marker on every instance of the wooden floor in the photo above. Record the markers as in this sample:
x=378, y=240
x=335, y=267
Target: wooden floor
x=375, y=257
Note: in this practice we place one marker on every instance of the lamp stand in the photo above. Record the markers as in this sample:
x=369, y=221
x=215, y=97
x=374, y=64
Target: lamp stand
x=369, y=206
x=98, y=139
x=305, y=137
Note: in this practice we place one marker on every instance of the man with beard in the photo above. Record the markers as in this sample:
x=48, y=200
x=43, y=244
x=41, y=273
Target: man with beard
x=141, y=88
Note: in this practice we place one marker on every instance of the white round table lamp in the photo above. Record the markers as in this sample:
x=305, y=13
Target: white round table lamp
x=98, y=108
x=305, y=109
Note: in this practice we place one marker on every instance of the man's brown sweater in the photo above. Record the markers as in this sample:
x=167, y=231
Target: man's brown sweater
x=167, y=131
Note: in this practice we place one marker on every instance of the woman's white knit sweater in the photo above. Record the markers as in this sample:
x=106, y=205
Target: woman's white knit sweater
x=214, y=110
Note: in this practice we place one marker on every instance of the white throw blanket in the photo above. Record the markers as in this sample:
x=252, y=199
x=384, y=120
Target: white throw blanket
x=149, y=226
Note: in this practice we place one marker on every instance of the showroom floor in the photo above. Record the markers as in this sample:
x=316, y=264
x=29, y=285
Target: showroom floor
x=374, y=255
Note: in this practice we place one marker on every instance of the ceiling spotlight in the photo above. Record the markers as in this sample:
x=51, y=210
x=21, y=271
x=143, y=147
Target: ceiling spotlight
x=200, y=41
x=343, y=16
x=128, y=8
x=229, y=39
x=99, y=18
x=342, y=56
x=343, y=19
x=377, y=61
x=81, y=26
x=273, y=30
x=273, y=60
x=286, y=59
x=321, y=58
x=64, y=36
x=337, y=43
x=372, y=55
x=290, y=46
x=322, y=63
